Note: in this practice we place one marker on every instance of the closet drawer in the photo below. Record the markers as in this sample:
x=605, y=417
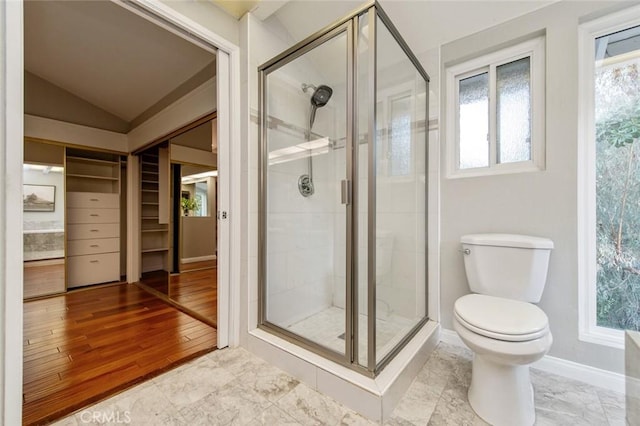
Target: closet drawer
x=93, y=215
x=91, y=231
x=93, y=246
x=86, y=200
x=92, y=269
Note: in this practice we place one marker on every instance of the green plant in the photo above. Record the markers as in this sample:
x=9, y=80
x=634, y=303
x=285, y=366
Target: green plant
x=189, y=204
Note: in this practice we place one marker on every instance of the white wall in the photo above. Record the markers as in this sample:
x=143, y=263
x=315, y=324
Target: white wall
x=257, y=44
x=540, y=203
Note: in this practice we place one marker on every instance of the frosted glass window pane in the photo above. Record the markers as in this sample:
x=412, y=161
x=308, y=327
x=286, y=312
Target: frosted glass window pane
x=513, y=82
x=473, y=113
x=400, y=138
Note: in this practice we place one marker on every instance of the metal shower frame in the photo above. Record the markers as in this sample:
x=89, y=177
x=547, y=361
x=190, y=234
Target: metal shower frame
x=348, y=25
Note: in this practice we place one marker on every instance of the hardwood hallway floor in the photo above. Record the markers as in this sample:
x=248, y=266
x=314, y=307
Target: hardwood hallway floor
x=86, y=345
x=197, y=290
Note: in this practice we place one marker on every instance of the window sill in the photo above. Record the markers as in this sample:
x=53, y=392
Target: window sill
x=511, y=168
x=603, y=336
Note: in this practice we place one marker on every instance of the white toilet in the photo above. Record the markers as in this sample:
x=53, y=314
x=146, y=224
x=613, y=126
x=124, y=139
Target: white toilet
x=500, y=324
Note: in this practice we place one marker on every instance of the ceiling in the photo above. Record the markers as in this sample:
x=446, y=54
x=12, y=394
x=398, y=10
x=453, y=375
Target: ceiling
x=109, y=57
x=424, y=24
x=236, y=8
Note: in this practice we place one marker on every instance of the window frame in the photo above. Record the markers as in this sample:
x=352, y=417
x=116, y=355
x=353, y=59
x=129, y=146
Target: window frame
x=588, y=330
x=533, y=48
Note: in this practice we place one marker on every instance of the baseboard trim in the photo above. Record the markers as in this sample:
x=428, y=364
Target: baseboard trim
x=561, y=367
x=198, y=259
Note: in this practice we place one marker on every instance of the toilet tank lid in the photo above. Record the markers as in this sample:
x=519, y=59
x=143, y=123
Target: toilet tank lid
x=507, y=240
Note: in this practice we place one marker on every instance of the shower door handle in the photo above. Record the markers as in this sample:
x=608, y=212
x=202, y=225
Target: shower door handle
x=345, y=186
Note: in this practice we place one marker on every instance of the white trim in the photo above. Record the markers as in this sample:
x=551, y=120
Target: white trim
x=198, y=259
x=534, y=48
x=561, y=367
x=588, y=331
x=224, y=193
x=235, y=197
x=11, y=157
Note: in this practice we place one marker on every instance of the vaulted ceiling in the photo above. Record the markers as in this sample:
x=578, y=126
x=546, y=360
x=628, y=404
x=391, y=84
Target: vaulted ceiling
x=101, y=53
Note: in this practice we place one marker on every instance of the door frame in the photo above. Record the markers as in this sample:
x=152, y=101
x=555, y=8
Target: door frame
x=11, y=147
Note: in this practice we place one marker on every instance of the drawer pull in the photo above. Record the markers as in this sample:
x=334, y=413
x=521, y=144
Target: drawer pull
x=94, y=245
x=94, y=230
x=93, y=199
x=94, y=215
x=94, y=261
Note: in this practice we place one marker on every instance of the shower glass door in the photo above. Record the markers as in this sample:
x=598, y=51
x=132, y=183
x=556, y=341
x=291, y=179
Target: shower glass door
x=304, y=159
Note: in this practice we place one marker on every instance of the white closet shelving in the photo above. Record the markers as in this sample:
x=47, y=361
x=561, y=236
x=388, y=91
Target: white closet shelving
x=153, y=207
x=93, y=217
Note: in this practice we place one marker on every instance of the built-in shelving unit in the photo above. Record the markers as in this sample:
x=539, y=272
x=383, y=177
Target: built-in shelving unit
x=154, y=222
x=93, y=217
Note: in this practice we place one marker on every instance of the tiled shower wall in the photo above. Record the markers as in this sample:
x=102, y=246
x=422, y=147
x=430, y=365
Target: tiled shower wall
x=300, y=230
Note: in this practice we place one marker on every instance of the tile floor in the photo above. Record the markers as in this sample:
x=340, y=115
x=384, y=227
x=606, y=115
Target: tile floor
x=327, y=328
x=232, y=386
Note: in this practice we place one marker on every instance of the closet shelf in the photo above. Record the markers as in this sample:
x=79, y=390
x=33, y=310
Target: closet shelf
x=92, y=177
x=155, y=230
x=92, y=160
x=154, y=250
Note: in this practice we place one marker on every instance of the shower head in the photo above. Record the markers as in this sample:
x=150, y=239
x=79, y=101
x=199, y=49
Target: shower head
x=321, y=96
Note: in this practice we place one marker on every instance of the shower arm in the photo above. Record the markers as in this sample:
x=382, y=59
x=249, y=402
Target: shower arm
x=307, y=136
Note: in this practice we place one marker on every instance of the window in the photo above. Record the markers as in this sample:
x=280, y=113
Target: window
x=395, y=112
x=202, y=197
x=610, y=179
x=495, y=112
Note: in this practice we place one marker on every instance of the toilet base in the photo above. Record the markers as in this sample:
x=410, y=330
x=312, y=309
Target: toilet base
x=501, y=394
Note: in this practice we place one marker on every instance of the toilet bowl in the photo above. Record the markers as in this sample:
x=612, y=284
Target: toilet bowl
x=505, y=331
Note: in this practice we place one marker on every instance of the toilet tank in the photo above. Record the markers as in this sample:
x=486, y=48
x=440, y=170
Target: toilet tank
x=507, y=265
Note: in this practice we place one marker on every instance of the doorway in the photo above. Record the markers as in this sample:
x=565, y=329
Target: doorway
x=227, y=65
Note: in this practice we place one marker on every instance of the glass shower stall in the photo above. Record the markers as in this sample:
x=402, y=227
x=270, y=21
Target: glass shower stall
x=343, y=192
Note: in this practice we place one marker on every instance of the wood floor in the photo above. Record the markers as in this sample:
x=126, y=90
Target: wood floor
x=88, y=344
x=42, y=277
x=197, y=291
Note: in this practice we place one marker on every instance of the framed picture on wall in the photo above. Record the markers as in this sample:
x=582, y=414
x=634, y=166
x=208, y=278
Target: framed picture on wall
x=38, y=198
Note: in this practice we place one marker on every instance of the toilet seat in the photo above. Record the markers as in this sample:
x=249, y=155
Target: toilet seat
x=501, y=319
